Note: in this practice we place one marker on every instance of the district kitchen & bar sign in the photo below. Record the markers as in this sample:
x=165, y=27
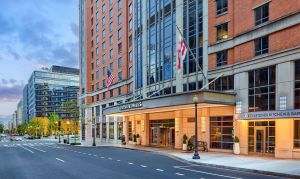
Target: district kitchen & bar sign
x=131, y=106
x=269, y=115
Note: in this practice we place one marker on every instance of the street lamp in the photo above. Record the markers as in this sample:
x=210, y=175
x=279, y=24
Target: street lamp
x=94, y=132
x=68, y=131
x=195, y=101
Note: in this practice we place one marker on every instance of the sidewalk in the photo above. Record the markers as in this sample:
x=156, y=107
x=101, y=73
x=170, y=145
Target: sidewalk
x=226, y=160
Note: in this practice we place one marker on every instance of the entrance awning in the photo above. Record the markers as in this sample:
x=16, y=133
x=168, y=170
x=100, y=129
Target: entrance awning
x=171, y=102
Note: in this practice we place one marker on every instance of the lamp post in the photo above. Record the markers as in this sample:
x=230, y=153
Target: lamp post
x=196, y=154
x=94, y=132
x=59, y=125
x=68, y=131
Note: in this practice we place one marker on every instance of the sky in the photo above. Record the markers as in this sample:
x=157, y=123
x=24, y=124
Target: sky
x=33, y=34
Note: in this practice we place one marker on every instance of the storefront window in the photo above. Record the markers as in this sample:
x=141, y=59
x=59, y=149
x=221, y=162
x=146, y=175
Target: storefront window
x=221, y=132
x=297, y=134
x=98, y=130
x=120, y=130
x=130, y=130
x=297, y=84
x=111, y=130
x=104, y=130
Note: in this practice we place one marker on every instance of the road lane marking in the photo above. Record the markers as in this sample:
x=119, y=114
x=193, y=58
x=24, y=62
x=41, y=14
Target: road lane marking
x=27, y=149
x=159, y=170
x=89, y=154
x=95, y=155
x=102, y=157
x=37, y=149
x=60, y=160
x=118, y=160
x=180, y=174
x=130, y=163
x=109, y=158
x=207, y=173
x=144, y=166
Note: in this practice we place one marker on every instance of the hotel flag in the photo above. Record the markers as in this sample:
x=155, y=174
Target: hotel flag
x=110, y=79
x=181, y=52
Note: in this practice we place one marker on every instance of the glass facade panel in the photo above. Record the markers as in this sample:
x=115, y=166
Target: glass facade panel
x=221, y=132
x=297, y=134
x=104, y=130
x=111, y=130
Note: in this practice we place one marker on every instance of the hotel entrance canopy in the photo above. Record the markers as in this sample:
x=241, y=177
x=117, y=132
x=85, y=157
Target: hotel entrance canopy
x=172, y=102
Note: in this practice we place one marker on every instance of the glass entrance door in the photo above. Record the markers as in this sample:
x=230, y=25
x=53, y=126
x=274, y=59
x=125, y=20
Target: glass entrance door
x=154, y=136
x=260, y=140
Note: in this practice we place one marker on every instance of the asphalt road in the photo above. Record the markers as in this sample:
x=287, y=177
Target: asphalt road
x=41, y=159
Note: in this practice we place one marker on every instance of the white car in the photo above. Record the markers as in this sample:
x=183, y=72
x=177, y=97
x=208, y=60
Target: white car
x=18, y=138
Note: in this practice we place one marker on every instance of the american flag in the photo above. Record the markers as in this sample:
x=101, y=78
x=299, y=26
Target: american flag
x=181, y=52
x=110, y=79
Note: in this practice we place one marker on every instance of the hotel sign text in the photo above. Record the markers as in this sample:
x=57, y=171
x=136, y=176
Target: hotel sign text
x=131, y=106
x=269, y=114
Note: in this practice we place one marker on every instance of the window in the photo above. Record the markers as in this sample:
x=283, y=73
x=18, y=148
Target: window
x=111, y=40
x=120, y=91
x=120, y=75
x=103, y=21
x=120, y=48
x=92, y=76
x=130, y=24
x=92, y=32
x=97, y=51
x=111, y=27
x=131, y=87
x=111, y=66
x=130, y=9
x=92, y=66
x=104, y=130
x=120, y=33
x=104, y=71
x=119, y=4
x=130, y=72
x=92, y=43
x=111, y=53
x=97, y=86
x=297, y=84
x=120, y=129
x=97, y=4
x=111, y=93
x=97, y=39
x=97, y=63
x=103, y=8
x=111, y=130
x=222, y=31
x=130, y=130
x=262, y=14
x=97, y=15
x=120, y=19
x=130, y=56
x=103, y=46
x=103, y=94
x=262, y=89
x=297, y=134
x=103, y=33
x=103, y=58
x=97, y=27
x=110, y=1
x=222, y=6
x=222, y=58
x=111, y=13
x=261, y=45
x=130, y=40
x=221, y=132
x=222, y=84
x=120, y=62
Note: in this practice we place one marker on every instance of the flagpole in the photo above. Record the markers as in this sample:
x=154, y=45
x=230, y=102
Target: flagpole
x=197, y=63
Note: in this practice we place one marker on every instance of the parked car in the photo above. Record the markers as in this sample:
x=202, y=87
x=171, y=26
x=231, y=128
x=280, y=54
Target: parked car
x=18, y=138
x=3, y=135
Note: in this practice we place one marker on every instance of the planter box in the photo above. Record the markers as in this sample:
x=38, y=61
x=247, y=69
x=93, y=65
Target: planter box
x=236, y=148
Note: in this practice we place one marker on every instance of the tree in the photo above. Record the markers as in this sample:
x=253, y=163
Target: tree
x=53, y=122
x=1, y=128
x=22, y=128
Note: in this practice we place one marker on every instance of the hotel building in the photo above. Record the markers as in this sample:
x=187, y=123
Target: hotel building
x=249, y=53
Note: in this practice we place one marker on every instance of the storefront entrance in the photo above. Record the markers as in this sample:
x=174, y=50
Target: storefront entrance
x=262, y=138
x=162, y=133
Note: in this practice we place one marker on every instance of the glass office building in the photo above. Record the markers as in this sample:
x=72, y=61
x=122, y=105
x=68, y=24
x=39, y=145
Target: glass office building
x=47, y=89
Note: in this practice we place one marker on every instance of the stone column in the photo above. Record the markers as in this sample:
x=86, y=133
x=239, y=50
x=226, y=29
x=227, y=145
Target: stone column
x=144, y=129
x=88, y=127
x=115, y=129
x=178, y=129
x=241, y=87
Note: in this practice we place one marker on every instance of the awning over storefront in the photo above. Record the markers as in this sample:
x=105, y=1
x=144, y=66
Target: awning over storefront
x=171, y=102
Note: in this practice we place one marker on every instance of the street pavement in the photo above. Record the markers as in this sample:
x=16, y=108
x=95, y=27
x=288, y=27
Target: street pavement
x=41, y=159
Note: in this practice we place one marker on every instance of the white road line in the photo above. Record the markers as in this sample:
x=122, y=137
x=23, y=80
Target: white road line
x=159, y=170
x=144, y=166
x=130, y=163
x=83, y=153
x=89, y=154
x=102, y=157
x=60, y=160
x=37, y=149
x=109, y=158
x=214, y=174
x=118, y=160
x=95, y=155
x=180, y=174
x=27, y=149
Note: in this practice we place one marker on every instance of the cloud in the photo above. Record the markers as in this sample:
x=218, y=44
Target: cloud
x=10, y=90
x=75, y=29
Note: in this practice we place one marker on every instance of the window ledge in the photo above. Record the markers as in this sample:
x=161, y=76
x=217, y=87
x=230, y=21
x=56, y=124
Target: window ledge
x=222, y=14
x=296, y=150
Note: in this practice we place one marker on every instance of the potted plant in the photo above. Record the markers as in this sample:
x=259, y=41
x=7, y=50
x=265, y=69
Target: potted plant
x=184, y=142
x=236, y=146
x=123, y=139
x=138, y=139
x=134, y=139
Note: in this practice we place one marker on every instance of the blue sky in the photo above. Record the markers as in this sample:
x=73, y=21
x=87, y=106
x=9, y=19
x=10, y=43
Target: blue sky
x=34, y=34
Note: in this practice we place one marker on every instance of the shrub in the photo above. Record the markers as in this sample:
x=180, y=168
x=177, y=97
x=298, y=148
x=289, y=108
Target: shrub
x=137, y=136
x=75, y=143
x=134, y=138
x=236, y=139
x=184, y=139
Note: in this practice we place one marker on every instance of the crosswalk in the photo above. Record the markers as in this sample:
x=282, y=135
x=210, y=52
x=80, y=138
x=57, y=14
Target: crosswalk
x=13, y=145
